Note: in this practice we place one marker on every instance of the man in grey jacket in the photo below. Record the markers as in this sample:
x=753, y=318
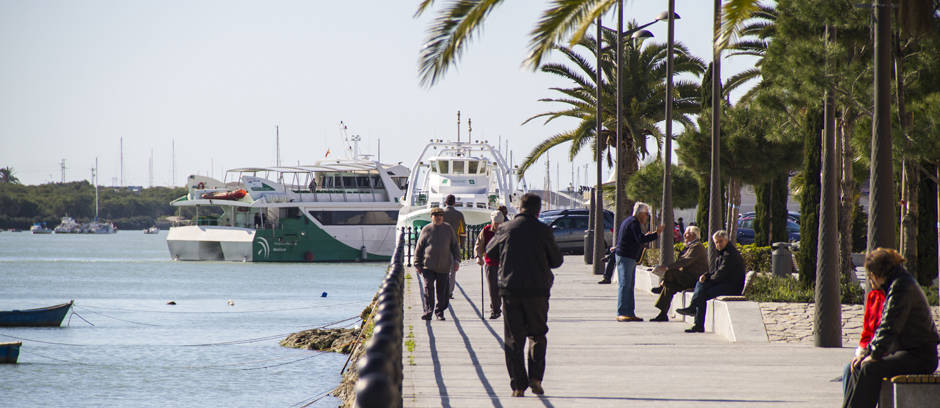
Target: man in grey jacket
x=436, y=253
x=455, y=219
x=527, y=253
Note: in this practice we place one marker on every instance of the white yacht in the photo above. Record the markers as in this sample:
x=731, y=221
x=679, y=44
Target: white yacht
x=68, y=226
x=475, y=173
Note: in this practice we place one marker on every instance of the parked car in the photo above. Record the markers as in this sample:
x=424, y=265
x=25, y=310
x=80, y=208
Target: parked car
x=792, y=215
x=746, y=231
x=608, y=215
x=570, y=230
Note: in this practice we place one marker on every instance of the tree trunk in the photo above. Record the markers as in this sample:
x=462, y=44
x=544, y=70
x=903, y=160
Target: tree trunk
x=848, y=195
x=734, y=185
x=910, y=179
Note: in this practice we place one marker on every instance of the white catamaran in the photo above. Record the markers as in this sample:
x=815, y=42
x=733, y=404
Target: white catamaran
x=333, y=210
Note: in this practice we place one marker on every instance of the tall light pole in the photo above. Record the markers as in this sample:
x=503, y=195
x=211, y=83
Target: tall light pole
x=666, y=240
x=636, y=32
x=599, y=147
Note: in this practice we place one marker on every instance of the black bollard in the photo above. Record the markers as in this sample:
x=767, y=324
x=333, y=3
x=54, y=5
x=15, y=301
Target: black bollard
x=375, y=363
x=376, y=391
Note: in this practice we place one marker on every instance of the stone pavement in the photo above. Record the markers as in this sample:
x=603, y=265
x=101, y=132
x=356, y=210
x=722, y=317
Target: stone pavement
x=595, y=361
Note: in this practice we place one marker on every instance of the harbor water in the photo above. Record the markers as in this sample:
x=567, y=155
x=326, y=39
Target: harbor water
x=125, y=346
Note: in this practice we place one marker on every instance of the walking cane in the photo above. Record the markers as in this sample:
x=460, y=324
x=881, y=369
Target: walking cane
x=481, y=291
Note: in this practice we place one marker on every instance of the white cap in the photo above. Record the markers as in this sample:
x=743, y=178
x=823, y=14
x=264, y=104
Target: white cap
x=497, y=217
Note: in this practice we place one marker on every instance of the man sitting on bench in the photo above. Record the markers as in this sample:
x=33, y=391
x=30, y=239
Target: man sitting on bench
x=681, y=274
x=727, y=278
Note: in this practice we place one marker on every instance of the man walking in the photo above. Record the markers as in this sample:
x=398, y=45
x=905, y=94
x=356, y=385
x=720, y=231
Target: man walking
x=527, y=253
x=726, y=279
x=454, y=218
x=682, y=274
x=436, y=254
x=630, y=240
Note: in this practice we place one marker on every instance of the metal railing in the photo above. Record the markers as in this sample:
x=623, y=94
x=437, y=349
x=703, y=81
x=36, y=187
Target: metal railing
x=380, y=368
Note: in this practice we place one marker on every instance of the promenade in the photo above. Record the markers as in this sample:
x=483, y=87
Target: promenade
x=595, y=361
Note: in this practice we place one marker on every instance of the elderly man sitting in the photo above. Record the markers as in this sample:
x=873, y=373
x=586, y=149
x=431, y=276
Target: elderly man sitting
x=681, y=274
x=727, y=278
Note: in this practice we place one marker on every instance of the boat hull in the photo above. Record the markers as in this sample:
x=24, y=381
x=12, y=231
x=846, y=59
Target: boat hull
x=10, y=352
x=43, y=317
x=295, y=240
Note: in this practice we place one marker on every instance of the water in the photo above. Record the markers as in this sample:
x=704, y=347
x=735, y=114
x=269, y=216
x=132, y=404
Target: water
x=142, y=352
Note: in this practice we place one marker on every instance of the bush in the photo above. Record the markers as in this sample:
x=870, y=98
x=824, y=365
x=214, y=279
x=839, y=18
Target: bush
x=769, y=288
x=933, y=297
x=756, y=258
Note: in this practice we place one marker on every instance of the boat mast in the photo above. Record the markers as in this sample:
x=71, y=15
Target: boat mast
x=277, y=141
x=96, y=189
x=458, y=126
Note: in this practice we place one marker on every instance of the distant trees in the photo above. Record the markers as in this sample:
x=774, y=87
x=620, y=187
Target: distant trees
x=22, y=206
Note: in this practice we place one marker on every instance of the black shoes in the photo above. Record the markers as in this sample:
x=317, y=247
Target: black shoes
x=657, y=290
x=660, y=318
x=426, y=317
x=439, y=317
x=696, y=329
x=604, y=282
x=494, y=315
x=536, y=387
x=688, y=311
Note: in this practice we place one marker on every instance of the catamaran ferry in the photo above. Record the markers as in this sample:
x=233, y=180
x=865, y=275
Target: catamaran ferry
x=335, y=210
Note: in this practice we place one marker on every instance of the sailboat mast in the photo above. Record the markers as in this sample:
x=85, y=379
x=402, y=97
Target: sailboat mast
x=96, y=189
x=458, y=126
x=277, y=141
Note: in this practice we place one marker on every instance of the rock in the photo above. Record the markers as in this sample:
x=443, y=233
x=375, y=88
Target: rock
x=339, y=340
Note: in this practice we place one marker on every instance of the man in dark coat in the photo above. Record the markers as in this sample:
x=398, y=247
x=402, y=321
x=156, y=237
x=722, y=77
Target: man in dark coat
x=681, y=274
x=527, y=253
x=727, y=278
x=454, y=218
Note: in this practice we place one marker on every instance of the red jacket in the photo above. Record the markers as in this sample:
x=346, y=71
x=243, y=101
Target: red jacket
x=873, y=307
x=485, y=236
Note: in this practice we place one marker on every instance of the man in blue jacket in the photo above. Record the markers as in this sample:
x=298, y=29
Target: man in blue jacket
x=630, y=240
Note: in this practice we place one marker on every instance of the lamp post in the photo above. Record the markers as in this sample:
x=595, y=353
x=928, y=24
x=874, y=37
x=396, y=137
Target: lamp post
x=636, y=32
x=714, y=191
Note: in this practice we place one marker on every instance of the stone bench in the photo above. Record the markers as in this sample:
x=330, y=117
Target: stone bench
x=731, y=317
x=906, y=391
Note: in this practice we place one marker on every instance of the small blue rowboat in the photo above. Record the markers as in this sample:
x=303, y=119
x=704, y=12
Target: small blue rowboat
x=9, y=352
x=43, y=317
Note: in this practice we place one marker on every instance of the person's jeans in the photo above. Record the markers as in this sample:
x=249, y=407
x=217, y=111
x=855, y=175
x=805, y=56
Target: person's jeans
x=626, y=274
x=708, y=291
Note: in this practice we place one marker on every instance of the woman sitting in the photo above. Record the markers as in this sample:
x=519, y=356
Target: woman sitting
x=906, y=339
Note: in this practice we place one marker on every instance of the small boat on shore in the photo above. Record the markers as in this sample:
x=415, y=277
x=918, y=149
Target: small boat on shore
x=42, y=317
x=68, y=226
x=9, y=352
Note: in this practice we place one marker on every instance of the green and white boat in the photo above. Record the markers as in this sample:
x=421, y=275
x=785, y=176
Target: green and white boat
x=475, y=173
x=333, y=211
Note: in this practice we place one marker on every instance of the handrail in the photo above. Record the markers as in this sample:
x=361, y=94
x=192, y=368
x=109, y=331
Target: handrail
x=380, y=368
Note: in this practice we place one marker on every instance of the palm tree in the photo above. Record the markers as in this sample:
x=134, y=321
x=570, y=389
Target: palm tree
x=6, y=176
x=643, y=103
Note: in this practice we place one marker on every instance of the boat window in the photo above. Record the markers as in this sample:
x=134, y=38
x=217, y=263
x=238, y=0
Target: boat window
x=458, y=167
x=356, y=217
x=433, y=167
x=472, y=167
x=444, y=166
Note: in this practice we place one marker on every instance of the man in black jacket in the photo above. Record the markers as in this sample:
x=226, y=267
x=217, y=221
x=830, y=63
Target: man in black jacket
x=727, y=278
x=527, y=253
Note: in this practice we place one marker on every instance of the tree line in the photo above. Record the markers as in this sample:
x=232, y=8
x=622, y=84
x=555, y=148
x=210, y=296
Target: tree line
x=22, y=206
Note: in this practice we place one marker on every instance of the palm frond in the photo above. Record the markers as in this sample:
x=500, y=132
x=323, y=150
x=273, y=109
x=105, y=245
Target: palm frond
x=559, y=21
x=733, y=14
x=449, y=35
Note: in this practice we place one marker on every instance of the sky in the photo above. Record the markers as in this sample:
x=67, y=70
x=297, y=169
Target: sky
x=220, y=80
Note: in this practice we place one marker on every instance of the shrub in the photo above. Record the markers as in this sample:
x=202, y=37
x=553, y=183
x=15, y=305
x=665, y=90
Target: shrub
x=756, y=258
x=769, y=288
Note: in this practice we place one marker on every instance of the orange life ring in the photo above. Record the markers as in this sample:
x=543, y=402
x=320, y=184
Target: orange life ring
x=201, y=186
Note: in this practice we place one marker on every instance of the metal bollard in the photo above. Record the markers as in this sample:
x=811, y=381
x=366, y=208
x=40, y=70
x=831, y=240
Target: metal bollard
x=781, y=259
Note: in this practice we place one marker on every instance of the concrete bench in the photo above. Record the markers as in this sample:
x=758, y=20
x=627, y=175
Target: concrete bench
x=907, y=391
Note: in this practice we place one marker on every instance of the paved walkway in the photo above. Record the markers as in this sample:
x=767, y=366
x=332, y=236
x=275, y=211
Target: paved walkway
x=595, y=361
